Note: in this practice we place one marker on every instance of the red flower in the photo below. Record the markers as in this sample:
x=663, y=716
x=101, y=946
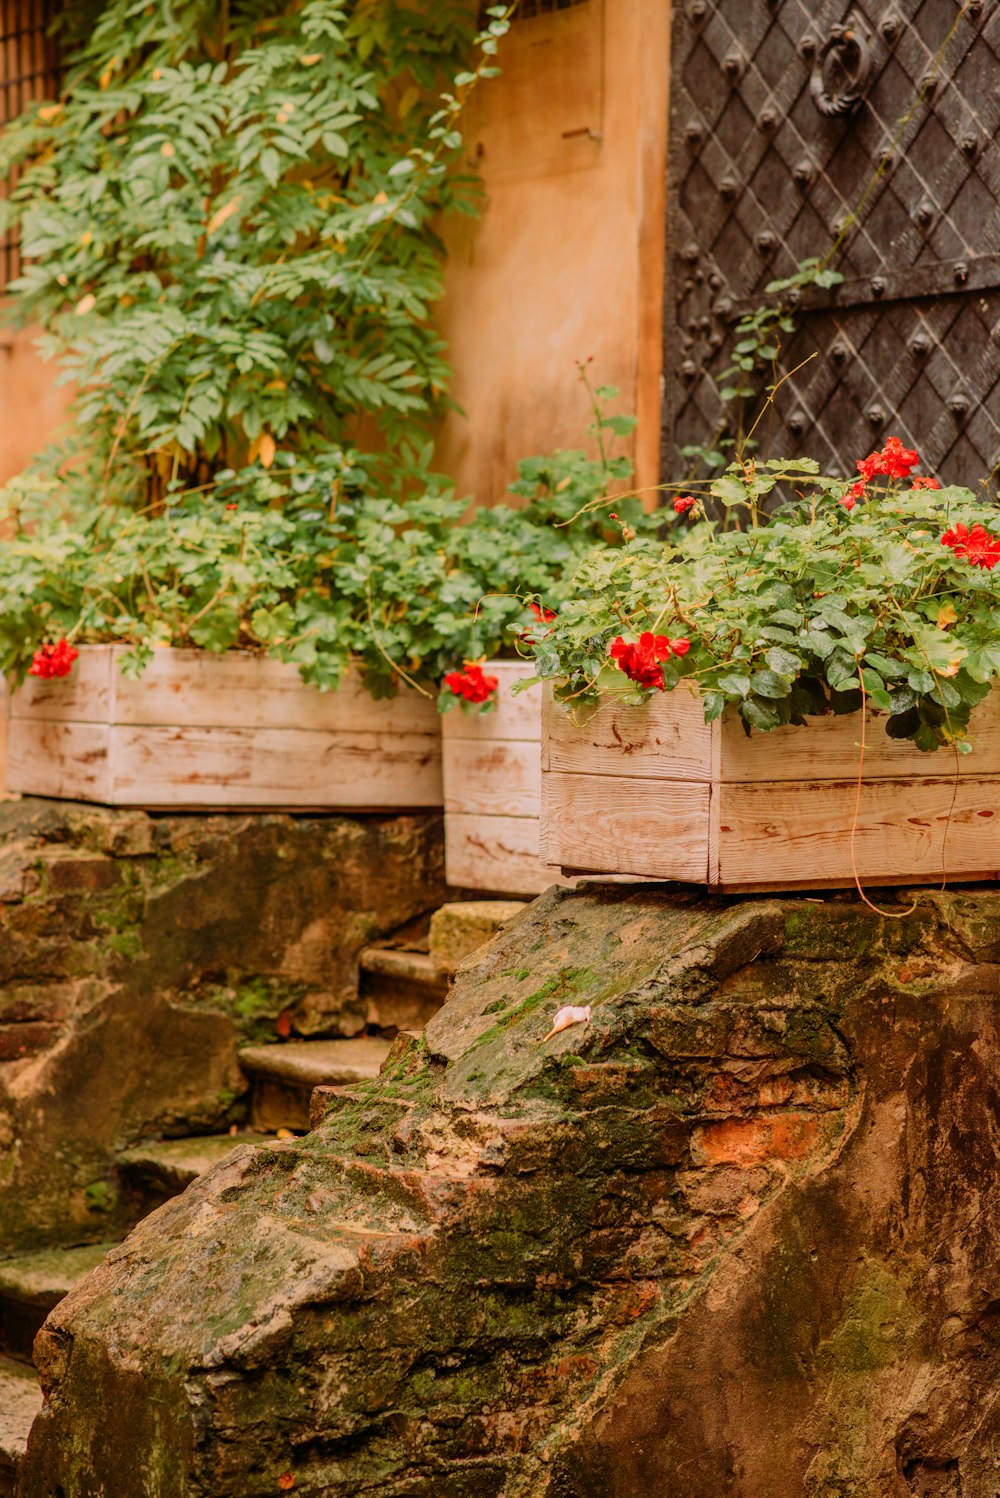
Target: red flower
x=684, y=502
x=471, y=683
x=895, y=461
x=641, y=662
x=925, y=484
x=899, y=459
x=854, y=493
x=53, y=660
x=541, y=613
x=979, y=546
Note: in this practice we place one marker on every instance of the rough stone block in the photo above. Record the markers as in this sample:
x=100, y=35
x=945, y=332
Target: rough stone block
x=138, y=953
x=562, y=1266
x=461, y=928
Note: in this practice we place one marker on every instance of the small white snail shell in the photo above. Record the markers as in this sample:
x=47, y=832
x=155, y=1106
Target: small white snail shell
x=570, y=1014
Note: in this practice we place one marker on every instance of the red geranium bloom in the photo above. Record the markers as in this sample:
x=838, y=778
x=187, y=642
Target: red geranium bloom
x=925, y=484
x=978, y=545
x=471, y=683
x=53, y=660
x=684, y=502
x=541, y=613
x=856, y=492
x=641, y=662
x=899, y=459
x=894, y=460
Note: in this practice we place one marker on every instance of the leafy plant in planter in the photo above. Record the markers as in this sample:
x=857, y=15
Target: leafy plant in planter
x=396, y=584
x=880, y=590
x=515, y=561
x=228, y=229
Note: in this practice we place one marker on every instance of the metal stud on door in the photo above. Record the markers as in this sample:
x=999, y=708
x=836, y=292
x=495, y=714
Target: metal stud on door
x=794, y=123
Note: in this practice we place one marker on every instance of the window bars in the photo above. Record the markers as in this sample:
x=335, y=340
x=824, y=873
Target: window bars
x=29, y=69
x=528, y=9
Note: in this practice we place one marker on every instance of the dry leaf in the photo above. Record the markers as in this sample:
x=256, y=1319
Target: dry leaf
x=220, y=215
x=283, y=1024
x=283, y=1134
x=167, y=149
x=310, y=58
x=267, y=449
x=946, y=615
x=569, y=1014
x=86, y=304
x=286, y=1482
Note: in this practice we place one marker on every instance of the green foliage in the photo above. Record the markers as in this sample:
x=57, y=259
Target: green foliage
x=755, y=355
x=227, y=225
x=819, y=608
x=308, y=562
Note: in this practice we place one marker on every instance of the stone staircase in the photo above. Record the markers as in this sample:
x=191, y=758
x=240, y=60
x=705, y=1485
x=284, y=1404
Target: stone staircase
x=403, y=983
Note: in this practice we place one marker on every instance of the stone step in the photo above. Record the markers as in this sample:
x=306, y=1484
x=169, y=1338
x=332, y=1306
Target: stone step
x=282, y=1076
x=162, y=1168
x=461, y=928
x=402, y=988
x=20, y=1401
x=32, y=1284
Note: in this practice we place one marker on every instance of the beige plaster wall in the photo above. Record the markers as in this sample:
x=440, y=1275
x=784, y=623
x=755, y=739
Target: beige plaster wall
x=566, y=261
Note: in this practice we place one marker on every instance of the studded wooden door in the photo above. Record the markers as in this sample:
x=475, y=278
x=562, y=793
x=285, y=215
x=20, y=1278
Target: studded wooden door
x=787, y=118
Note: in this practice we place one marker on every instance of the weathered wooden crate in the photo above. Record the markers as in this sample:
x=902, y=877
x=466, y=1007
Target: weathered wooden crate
x=492, y=791
x=219, y=731
x=655, y=791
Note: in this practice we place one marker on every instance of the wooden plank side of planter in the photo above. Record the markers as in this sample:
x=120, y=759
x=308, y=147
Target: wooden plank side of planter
x=496, y=853
x=665, y=739
x=66, y=760
x=191, y=689
x=517, y=717
x=618, y=824
x=220, y=767
x=84, y=696
x=829, y=748
x=499, y=778
x=801, y=835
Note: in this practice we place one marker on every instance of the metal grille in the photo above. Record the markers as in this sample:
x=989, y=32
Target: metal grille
x=528, y=9
x=765, y=172
x=28, y=70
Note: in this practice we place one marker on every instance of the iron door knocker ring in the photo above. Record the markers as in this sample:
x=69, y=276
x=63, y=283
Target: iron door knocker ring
x=847, y=52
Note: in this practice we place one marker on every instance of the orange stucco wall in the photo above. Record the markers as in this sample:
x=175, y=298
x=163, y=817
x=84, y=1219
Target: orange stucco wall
x=566, y=261
x=31, y=405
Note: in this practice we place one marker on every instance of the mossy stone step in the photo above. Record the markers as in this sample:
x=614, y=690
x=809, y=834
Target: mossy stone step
x=283, y=1076
x=402, y=989
x=20, y=1401
x=163, y=1168
x=32, y=1284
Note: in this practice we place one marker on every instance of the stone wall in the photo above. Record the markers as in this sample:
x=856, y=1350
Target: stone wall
x=737, y=1236
x=138, y=952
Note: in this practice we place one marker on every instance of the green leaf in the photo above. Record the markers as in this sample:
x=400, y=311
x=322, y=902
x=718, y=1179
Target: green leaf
x=728, y=491
x=783, y=662
x=760, y=714
x=713, y=702
x=769, y=684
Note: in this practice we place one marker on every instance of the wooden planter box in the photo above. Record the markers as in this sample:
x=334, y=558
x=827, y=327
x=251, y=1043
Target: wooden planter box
x=219, y=731
x=657, y=792
x=492, y=791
